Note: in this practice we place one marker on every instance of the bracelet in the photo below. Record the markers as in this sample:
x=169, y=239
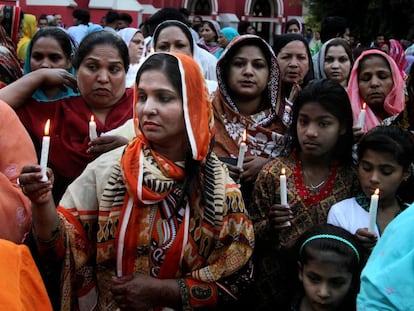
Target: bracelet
x=185, y=297
x=55, y=235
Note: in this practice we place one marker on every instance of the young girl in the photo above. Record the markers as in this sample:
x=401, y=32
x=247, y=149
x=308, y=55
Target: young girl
x=330, y=262
x=319, y=173
x=385, y=155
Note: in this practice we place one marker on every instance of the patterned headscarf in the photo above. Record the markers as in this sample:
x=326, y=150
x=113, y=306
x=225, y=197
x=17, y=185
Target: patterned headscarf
x=398, y=54
x=10, y=66
x=394, y=101
x=265, y=130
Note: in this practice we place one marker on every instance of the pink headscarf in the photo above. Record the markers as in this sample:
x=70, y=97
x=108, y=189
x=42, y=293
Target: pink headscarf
x=398, y=54
x=394, y=101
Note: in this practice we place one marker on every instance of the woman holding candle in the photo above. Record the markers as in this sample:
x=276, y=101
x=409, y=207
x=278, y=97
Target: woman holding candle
x=376, y=81
x=296, y=68
x=158, y=223
x=101, y=62
x=318, y=172
x=247, y=99
x=385, y=155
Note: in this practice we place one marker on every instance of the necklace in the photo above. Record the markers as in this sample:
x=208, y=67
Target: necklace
x=312, y=186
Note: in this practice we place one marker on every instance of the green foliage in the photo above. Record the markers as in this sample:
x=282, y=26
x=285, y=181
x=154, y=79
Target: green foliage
x=394, y=18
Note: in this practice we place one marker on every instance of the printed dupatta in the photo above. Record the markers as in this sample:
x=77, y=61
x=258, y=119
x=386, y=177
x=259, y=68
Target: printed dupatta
x=265, y=129
x=150, y=177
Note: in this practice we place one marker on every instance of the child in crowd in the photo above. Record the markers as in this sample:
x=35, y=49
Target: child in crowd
x=319, y=173
x=330, y=262
x=384, y=155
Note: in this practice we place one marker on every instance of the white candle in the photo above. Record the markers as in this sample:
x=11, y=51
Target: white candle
x=373, y=208
x=44, y=155
x=92, y=129
x=283, y=190
x=242, y=150
x=283, y=193
x=361, y=117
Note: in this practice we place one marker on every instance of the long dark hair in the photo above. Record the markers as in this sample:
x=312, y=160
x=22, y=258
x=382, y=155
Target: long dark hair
x=334, y=99
x=391, y=140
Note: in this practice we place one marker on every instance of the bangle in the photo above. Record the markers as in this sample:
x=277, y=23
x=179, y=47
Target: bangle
x=55, y=235
x=185, y=297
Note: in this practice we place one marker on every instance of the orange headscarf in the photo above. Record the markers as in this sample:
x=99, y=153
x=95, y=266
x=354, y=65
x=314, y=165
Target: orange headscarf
x=150, y=176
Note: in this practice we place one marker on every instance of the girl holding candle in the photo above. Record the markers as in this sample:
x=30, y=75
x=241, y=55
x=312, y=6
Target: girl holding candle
x=319, y=173
x=384, y=156
x=248, y=99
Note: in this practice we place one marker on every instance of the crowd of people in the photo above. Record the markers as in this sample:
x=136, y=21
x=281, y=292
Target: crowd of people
x=190, y=166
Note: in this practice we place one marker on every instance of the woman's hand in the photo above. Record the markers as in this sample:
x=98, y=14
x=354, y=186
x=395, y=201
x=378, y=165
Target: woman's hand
x=142, y=292
x=56, y=77
x=366, y=238
x=358, y=133
x=37, y=191
x=251, y=167
x=280, y=216
x=105, y=143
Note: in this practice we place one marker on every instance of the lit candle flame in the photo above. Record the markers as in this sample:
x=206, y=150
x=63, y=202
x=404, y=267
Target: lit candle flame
x=376, y=191
x=47, y=127
x=364, y=105
x=92, y=118
x=283, y=171
x=244, y=135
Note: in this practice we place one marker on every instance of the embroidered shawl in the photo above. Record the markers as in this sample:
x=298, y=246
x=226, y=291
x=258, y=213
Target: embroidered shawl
x=265, y=129
x=394, y=101
x=122, y=212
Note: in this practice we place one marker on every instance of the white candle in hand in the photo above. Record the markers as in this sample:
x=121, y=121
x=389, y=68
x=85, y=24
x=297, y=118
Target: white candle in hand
x=242, y=150
x=373, y=208
x=92, y=129
x=44, y=155
x=283, y=188
x=283, y=192
x=361, y=117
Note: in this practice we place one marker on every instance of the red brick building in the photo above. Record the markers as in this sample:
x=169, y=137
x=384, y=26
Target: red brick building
x=268, y=16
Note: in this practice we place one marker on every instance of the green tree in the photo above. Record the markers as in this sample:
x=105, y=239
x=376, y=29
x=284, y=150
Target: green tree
x=394, y=18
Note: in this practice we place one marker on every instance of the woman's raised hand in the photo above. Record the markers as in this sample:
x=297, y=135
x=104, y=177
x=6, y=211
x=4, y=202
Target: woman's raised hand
x=105, y=143
x=56, y=77
x=30, y=180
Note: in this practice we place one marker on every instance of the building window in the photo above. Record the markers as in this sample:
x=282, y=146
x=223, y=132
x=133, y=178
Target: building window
x=202, y=7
